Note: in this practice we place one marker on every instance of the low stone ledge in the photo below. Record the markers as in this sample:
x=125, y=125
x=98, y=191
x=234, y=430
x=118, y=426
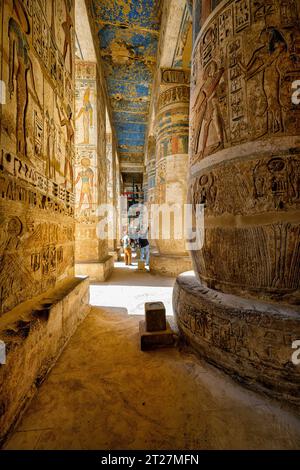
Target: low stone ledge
x=251, y=340
x=169, y=265
x=35, y=334
x=97, y=271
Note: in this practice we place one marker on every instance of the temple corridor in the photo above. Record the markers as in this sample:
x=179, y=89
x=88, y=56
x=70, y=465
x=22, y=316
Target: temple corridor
x=149, y=225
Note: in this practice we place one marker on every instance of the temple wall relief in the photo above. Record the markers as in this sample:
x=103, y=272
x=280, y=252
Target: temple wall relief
x=36, y=147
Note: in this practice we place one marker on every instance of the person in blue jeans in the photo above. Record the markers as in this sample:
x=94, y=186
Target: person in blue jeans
x=145, y=249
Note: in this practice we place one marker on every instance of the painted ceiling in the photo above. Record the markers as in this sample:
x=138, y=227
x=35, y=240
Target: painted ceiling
x=128, y=32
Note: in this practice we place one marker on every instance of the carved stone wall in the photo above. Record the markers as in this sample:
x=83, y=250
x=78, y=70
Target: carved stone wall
x=244, y=148
x=36, y=148
x=250, y=339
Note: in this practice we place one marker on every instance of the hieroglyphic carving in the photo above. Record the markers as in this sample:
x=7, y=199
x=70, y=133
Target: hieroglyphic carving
x=278, y=179
x=175, y=76
x=37, y=242
x=242, y=16
x=259, y=54
x=270, y=255
x=176, y=94
x=204, y=191
x=36, y=142
x=225, y=25
x=288, y=13
x=208, y=44
x=216, y=326
x=237, y=92
x=38, y=134
x=259, y=185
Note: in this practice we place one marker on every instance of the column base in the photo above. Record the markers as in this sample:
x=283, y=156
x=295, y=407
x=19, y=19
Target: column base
x=34, y=334
x=249, y=339
x=169, y=265
x=97, y=271
x=116, y=254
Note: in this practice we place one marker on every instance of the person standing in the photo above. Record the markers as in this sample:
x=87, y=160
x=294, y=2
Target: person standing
x=127, y=249
x=145, y=249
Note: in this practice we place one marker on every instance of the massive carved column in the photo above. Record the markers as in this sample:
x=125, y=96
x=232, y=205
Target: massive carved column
x=93, y=163
x=171, y=168
x=244, y=168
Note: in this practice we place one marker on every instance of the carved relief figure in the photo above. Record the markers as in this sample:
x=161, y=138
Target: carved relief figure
x=19, y=47
x=13, y=275
x=67, y=26
x=66, y=121
x=51, y=147
x=277, y=180
x=207, y=111
x=86, y=111
x=266, y=59
x=53, y=9
x=87, y=181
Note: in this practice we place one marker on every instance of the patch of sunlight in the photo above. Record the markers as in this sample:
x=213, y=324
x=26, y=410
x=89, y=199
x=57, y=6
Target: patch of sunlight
x=132, y=298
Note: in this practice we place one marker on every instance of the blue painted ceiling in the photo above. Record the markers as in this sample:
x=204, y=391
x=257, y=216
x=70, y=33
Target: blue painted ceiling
x=128, y=32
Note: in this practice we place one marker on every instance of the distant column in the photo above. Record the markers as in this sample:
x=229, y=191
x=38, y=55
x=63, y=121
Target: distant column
x=172, y=133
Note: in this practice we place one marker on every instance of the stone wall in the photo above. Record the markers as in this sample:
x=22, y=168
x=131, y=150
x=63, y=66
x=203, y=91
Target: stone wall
x=41, y=303
x=36, y=148
x=35, y=334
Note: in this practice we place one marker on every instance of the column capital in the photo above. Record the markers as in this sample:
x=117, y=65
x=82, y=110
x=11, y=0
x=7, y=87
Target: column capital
x=174, y=76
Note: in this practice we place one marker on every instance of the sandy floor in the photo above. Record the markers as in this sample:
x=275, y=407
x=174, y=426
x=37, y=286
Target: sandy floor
x=104, y=393
x=129, y=288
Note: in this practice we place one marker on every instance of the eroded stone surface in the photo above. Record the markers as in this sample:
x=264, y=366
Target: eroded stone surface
x=36, y=148
x=153, y=339
x=35, y=334
x=155, y=316
x=169, y=265
x=251, y=340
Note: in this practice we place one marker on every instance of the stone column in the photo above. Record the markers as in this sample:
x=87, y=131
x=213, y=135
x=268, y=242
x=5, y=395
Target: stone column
x=112, y=195
x=172, y=128
x=151, y=175
x=91, y=252
x=244, y=168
